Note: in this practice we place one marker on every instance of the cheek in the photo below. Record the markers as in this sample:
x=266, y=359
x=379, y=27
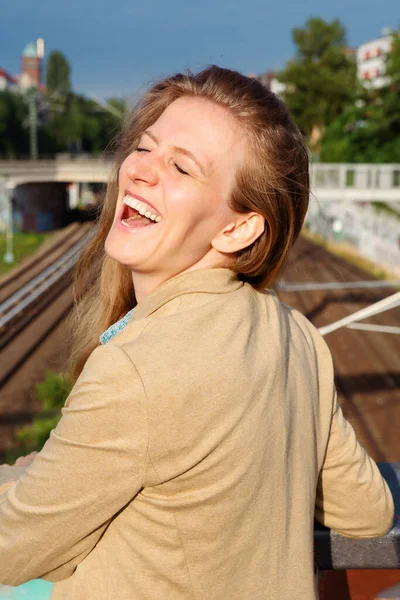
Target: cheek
x=125, y=169
x=122, y=175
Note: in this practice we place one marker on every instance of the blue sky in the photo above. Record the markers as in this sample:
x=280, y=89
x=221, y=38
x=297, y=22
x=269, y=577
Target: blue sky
x=118, y=47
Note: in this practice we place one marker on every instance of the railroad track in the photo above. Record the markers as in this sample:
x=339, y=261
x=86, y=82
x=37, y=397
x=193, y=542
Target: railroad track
x=28, y=315
x=46, y=255
x=366, y=363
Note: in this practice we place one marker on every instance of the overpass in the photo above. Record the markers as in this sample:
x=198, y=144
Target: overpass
x=62, y=170
x=349, y=182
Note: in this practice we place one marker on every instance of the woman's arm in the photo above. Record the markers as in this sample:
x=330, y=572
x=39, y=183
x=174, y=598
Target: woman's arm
x=91, y=467
x=352, y=497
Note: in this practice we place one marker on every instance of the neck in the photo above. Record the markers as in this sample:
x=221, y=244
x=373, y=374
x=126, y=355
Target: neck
x=145, y=283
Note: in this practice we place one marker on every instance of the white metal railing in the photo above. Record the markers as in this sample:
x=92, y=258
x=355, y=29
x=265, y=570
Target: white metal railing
x=336, y=285
x=355, y=176
x=374, y=309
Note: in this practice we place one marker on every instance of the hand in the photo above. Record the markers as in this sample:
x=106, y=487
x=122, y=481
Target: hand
x=8, y=476
x=24, y=461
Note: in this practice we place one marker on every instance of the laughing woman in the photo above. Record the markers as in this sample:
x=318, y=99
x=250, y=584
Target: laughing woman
x=203, y=432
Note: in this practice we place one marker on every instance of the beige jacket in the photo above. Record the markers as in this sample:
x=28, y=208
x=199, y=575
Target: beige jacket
x=191, y=456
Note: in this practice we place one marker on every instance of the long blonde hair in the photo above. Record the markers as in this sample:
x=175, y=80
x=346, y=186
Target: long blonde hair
x=274, y=181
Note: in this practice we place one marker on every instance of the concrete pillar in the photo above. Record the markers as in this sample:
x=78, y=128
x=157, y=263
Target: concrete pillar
x=8, y=257
x=73, y=195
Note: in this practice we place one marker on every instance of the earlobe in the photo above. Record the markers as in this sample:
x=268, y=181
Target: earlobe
x=240, y=233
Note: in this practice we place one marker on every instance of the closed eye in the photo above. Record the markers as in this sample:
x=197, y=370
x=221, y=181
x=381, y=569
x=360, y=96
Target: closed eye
x=181, y=170
x=176, y=166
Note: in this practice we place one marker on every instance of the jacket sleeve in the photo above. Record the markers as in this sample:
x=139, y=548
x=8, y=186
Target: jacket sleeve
x=91, y=466
x=352, y=497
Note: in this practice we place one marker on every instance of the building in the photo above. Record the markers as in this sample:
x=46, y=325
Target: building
x=371, y=59
x=31, y=75
x=7, y=81
x=270, y=81
x=32, y=59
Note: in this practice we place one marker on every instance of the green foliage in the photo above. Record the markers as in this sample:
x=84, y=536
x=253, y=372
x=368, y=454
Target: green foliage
x=393, y=62
x=52, y=393
x=58, y=73
x=321, y=79
x=14, y=138
x=67, y=122
x=24, y=244
x=368, y=130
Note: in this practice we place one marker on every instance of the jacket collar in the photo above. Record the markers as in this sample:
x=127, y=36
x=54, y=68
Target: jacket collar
x=208, y=281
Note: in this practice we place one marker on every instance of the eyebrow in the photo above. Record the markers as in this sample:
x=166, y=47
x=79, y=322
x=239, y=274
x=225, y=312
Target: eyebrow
x=179, y=149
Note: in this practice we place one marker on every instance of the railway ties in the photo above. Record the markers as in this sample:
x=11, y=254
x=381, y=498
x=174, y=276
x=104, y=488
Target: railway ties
x=366, y=362
x=14, y=309
x=30, y=313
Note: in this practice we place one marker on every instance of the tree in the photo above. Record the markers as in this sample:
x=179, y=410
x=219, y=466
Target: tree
x=321, y=80
x=14, y=138
x=58, y=73
x=369, y=130
x=393, y=63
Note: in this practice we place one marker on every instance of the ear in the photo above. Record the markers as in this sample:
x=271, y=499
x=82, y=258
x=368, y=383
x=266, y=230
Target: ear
x=240, y=233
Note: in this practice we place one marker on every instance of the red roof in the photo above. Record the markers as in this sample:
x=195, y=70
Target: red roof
x=6, y=75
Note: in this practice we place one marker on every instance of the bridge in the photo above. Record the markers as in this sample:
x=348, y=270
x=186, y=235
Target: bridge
x=348, y=182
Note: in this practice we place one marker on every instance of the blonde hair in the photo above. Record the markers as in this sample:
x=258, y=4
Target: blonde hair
x=274, y=181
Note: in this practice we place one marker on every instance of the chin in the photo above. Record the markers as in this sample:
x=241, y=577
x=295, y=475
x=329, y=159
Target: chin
x=121, y=251
x=114, y=249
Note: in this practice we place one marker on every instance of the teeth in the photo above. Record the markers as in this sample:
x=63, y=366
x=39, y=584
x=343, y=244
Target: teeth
x=142, y=208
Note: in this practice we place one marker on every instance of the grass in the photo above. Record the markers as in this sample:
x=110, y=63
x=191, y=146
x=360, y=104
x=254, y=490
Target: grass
x=24, y=244
x=385, y=208
x=350, y=255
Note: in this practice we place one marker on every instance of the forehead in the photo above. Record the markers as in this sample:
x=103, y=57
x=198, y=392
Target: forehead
x=205, y=128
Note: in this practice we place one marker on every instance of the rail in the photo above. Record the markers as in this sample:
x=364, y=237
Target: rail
x=355, y=182
x=24, y=297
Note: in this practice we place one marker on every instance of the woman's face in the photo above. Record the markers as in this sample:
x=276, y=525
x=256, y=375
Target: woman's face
x=181, y=177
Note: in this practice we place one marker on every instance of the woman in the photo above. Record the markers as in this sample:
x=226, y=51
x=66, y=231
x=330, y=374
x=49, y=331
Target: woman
x=203, y=432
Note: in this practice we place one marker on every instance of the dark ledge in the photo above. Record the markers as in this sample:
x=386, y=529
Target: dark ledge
x=334, y=551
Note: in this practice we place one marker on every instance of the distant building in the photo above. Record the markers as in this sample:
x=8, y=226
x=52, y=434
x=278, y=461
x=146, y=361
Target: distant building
x=371, y=59
x=31, y=76
x=7, y=81
x=270, y=81
x=32, y=58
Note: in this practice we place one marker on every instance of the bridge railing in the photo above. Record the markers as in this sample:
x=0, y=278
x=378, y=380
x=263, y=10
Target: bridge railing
x=324, y=176
x=356, y=181
x=365, y=176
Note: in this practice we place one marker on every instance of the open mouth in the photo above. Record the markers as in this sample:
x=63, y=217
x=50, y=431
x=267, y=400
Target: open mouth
x=137, y=214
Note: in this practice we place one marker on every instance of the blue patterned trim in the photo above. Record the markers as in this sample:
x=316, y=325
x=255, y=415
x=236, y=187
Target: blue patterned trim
x=115, y=328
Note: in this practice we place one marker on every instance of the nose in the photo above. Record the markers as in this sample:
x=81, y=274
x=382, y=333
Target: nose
x=142, y=168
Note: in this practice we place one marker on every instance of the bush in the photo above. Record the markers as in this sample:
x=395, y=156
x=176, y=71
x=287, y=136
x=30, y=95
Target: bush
x=52, y=393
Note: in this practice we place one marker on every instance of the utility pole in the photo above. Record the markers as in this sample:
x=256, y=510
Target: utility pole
x=33, y=145
x=8, y=256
